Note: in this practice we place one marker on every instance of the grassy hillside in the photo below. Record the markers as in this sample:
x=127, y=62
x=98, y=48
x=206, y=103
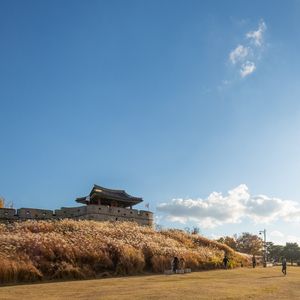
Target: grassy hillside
x=67, y=249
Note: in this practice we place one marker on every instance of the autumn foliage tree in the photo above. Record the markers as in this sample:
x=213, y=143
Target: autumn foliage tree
x=229, y=241
x=245, y=243
x=249, y=243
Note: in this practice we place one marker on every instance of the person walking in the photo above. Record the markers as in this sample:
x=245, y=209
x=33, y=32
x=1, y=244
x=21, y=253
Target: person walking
x=225, y=261
x=175, y=264
x=182, y=263
x=253, y=261
x=284, y=266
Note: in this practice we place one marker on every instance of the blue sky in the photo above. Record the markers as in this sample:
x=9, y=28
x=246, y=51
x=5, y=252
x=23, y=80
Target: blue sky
x=166, y=99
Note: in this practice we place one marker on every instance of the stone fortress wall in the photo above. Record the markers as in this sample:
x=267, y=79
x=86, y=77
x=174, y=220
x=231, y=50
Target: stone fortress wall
x=89, y=212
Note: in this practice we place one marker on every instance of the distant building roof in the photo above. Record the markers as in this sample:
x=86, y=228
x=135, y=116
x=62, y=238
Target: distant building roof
x=104, y=194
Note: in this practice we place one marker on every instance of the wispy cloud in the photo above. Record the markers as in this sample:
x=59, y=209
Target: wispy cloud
x=247, y=68
x=256, y=36
x=237, y=205
x=238, y=54
x=245, y=55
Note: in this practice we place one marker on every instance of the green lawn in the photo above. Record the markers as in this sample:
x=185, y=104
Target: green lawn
x=242, y=283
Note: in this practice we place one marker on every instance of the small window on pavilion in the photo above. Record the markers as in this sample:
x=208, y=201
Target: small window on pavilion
x=99, y=208
x=27, y=212
x=116, y=219
x=118, y=210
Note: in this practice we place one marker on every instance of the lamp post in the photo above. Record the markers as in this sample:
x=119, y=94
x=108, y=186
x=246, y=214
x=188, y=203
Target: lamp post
x=264, y=232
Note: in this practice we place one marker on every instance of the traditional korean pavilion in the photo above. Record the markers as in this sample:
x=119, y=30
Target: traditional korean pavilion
x=104, y=196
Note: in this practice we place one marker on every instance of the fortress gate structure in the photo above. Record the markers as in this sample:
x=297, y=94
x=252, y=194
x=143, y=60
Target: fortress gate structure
x=102, y=204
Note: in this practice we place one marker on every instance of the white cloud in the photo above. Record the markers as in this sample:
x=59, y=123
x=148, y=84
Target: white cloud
x=247, y=68
x=217, y=209
x=211, y=212
x=279, y=238
x=293, y=239
x=276, y=234
x=246, y=56
x=214, y=236
x=256, y=36
x=238, y=54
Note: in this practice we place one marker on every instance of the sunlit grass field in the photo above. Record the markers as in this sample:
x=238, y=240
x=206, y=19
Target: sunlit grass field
x=242, y=283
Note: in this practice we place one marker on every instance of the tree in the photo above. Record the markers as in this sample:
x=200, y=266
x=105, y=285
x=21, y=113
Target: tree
x=194, y=230
x=249, y=243
x=291, y=251
x=274, y=252
x=229, y=241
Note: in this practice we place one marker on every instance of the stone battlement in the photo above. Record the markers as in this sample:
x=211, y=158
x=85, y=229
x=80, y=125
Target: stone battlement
x=89, y=212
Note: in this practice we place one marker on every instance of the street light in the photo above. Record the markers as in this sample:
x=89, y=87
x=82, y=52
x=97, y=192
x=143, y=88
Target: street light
x=265, y=245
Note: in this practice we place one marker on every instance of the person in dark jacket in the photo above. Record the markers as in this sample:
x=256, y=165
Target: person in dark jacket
x=225, y=261
x=253, y=261
x=175, y=264
x=283, y=266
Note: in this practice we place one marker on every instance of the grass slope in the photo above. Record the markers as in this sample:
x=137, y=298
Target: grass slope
x=68, y=249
